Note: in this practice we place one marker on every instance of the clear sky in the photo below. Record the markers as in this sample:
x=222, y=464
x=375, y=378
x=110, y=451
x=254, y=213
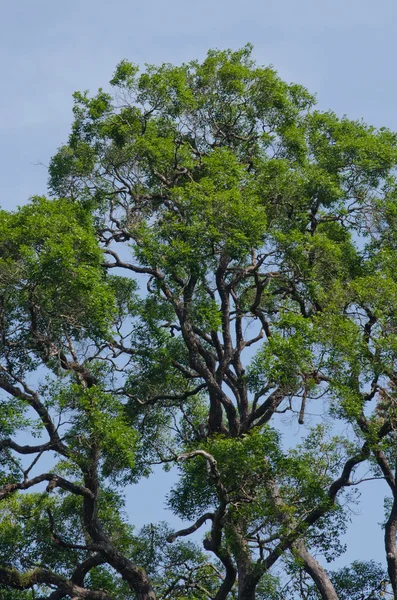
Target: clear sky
x=344, y=50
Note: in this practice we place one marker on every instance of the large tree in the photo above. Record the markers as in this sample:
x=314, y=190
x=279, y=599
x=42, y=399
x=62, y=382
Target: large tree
x=217, y=262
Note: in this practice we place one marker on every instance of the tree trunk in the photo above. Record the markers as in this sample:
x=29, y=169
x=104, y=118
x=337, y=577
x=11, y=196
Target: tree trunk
x=248, y=575
x=146, y=595
x=247, y=588
x=390, y=547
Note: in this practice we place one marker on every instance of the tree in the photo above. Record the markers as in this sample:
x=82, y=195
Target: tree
x=216, y=254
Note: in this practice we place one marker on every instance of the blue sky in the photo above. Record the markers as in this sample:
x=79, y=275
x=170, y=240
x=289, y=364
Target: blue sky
x=344, y=50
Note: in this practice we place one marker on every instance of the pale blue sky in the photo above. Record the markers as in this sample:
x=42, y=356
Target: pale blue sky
x=344, y=50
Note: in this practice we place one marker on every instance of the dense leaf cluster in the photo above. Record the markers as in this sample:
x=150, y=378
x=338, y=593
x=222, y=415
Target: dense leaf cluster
x=217, y=261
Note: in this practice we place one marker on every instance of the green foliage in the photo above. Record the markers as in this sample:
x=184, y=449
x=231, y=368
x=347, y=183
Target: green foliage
x=217, y=253
x=360, y=579
x=243, y=465
x=181, y=568
x=51, y=276
x=98, y=417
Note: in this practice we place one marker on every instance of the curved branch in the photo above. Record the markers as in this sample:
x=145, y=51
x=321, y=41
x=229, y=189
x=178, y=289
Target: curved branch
x=31, y=398
x=54, y=481
x=214, y=543
x=83, y=568
x=184, y=532
x=8, y=443
x=123, y=265
x=24, y=581
x=212, y=464
x=316, y=571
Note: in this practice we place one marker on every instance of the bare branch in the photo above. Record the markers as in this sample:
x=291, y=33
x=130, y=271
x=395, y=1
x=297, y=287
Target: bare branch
x=184, y=532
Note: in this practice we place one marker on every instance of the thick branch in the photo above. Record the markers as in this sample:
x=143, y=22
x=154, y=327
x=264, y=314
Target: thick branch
x=265, y=411
x=8, y=443
x=54, y=481
x=184, y=532
x=123, y=265
x=24, y=581
x=83, y=568
x=390, y=546
x=213, y=544
x=316, y=571
x=135, y=576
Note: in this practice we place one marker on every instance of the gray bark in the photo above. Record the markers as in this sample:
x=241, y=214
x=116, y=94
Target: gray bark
x=316, y=572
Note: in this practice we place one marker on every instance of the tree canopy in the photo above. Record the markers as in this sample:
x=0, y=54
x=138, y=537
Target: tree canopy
x=215, y=263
